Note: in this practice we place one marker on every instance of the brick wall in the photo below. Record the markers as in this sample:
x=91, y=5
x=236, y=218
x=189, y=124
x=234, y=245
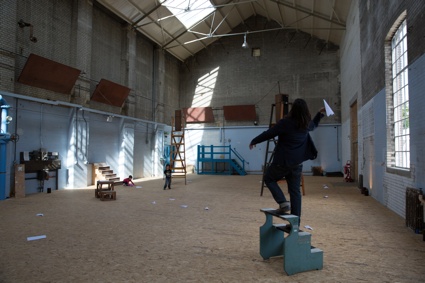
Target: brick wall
x=84, y=35
x=8, y=28
x=291, y=62
x=378, y=20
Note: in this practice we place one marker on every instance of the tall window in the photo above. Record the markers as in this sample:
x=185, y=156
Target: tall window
x=400, y=98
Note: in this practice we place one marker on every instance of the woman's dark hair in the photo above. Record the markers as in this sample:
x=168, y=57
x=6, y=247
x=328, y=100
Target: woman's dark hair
x=300, y=113
x=131, y=177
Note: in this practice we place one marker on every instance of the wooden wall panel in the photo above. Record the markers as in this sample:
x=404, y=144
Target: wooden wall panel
x=199, y=115
x=110, y=93
x=282, y=106
x=47, y=74
x=240, y=113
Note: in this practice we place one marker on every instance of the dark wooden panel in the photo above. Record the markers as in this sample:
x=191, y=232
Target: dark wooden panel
x=240, y=113
x=111, y=93
x=282, y=106
x=199, y=115
x=47, y=74
x=178, y=120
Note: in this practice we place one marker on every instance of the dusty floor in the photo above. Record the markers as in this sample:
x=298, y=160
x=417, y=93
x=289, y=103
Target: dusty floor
x=152, y=235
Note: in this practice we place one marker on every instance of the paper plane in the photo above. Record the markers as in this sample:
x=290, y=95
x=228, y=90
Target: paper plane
x=328, y=109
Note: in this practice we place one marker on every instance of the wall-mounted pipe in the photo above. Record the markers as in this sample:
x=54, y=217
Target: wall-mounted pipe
x=4, y=139
x=64, y=103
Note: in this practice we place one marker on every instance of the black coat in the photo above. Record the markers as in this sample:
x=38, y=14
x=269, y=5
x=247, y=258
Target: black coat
x=294, y=145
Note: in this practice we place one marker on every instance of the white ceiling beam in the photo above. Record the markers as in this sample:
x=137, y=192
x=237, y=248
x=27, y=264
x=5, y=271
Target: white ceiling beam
x=299, y=8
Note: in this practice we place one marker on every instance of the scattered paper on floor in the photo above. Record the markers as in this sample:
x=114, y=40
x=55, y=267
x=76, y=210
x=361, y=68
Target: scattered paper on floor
x=33, y=238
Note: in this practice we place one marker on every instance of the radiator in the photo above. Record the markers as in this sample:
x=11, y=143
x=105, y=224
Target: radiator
x=414, y=210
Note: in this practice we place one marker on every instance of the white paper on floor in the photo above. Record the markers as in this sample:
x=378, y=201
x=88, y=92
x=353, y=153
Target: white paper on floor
x=308, y=227
x=183, y=205
x=172, y=199
x=39, y=214
x=206, y=208
x=33, y=238
x=138, y=187
x=154, y=202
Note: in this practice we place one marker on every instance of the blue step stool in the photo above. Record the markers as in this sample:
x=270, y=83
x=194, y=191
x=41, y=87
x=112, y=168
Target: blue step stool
x=298, y=254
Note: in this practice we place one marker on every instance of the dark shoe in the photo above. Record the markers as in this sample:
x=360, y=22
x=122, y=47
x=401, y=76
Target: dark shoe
x=169, y=188
x=284, y=208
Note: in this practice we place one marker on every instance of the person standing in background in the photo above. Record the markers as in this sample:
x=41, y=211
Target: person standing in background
x=167, y=173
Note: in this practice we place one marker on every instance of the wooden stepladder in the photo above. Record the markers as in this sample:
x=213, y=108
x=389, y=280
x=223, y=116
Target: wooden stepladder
x=178, y=150
x=279, y=109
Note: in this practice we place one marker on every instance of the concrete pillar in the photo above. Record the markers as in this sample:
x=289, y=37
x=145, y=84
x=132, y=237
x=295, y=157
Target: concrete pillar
x=158, y=93
x=82, y=49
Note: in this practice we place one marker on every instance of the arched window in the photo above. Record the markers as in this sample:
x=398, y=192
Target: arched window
x=398, y=99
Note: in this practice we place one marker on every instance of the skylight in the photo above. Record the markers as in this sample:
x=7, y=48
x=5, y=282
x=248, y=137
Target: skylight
x=189, y=12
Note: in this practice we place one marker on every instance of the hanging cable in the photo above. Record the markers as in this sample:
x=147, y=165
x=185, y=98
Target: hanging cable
x=267, y=93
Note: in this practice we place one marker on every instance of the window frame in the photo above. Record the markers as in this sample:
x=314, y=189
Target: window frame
x=393, y=110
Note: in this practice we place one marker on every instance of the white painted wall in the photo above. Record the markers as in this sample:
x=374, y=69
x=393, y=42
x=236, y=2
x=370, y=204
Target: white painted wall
x=81, y=138
x=327, y=139
x=350, y=65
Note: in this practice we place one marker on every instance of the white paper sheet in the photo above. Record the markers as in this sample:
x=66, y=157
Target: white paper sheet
x=33, y=238
x=328, y=109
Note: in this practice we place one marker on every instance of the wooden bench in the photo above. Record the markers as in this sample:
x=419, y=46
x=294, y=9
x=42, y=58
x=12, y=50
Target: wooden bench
x=298, y=254
x=108, y=195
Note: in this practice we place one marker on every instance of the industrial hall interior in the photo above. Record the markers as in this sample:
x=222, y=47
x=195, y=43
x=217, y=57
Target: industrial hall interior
x=99, y=96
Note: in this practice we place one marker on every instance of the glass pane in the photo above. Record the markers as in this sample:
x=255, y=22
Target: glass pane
x=401, y=97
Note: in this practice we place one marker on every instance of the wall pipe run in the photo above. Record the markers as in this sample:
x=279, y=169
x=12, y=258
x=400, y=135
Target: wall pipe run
x=4, y=139
x=79, y=107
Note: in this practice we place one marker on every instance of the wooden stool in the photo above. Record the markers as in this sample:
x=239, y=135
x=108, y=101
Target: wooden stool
x=99, y=187
x=108, y=195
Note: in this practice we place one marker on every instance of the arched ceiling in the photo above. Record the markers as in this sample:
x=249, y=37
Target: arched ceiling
x=324, y=19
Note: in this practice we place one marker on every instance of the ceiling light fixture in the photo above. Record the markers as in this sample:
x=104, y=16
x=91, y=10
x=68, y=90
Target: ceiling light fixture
x=245, y=44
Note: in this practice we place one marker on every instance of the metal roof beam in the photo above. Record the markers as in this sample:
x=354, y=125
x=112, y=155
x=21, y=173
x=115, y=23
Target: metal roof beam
x=306, y=11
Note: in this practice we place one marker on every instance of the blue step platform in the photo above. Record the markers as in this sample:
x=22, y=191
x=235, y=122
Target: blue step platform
x=288, y=241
